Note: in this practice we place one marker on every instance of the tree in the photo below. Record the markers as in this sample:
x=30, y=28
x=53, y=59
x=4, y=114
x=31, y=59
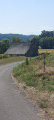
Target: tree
x=47, y=43
x=47, y=34
x=4, y=45
x=15, y=39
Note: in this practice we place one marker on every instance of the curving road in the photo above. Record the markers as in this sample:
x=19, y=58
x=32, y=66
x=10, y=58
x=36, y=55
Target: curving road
x=13, y=104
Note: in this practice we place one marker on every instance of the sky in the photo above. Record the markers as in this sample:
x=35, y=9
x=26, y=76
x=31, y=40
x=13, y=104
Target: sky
x=26, y=16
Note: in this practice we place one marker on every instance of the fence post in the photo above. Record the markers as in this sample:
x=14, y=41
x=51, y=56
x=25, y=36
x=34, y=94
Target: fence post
x=27, y=62
x=44, y=62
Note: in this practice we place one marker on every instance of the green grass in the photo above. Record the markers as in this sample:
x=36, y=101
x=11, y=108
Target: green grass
x=33, y=74
x=11, y=59
x=34, y=77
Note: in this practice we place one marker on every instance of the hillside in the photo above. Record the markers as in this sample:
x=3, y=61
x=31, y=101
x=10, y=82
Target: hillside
x=38, y=85
x=22, y=37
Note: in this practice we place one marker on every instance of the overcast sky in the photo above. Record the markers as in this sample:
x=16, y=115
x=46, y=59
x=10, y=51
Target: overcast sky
x=26, y=16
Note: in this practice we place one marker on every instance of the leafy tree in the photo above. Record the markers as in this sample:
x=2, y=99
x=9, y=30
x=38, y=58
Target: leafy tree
x=28, y=40
x=47, y=43
x=47, y=34
x=15, y=39
x=4, y=45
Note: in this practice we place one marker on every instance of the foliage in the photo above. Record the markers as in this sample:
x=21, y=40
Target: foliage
x=47, y=43
x=4, y=56
x=28, y=40
x=37, y=38
x=22, y=37
x=45, y=40
x=4, y=45
x=15, y=39
x=47, y=34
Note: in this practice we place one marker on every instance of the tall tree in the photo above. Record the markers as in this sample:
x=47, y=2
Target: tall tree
x=4, y=45
x=15, y=39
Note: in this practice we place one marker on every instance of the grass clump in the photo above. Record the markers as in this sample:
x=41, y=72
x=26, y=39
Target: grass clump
x=43, y=104
x=4, y=56
x=24, y=87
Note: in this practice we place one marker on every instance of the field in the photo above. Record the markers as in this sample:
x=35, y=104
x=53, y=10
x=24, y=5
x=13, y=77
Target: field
x=5, y=59
x=38, y=84
x=46, y=51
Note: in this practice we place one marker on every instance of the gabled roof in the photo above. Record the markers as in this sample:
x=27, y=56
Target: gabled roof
x=18, y=48
x=29, y=49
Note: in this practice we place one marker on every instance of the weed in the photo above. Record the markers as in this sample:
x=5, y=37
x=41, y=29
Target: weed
x=43, y=104
x=24, y=87
x=50, y=88
x=43, y=77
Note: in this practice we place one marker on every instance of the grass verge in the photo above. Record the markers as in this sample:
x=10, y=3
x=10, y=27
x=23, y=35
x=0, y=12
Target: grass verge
x=11, y=59
x=38, y=84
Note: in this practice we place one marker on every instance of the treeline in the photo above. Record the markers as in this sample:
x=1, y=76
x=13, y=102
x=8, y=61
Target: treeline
x=47, y=34
x=46, y=40
x=15, y=39
x=46, y=43
x=5, y=43
x=22, y=37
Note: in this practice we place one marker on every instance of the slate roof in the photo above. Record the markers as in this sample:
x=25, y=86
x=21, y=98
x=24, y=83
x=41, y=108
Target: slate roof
x=18, y=48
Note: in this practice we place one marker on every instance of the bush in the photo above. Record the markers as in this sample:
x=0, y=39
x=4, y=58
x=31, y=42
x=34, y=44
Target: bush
x=4, y=56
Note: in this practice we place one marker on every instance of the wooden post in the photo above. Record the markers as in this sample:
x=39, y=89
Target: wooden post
x=27, y=63
x=44, y=62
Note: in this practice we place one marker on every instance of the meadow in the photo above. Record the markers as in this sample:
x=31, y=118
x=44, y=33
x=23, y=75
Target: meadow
x=46, y=51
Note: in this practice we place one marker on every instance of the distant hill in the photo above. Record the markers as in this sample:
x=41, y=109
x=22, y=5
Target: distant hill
x=22, y=37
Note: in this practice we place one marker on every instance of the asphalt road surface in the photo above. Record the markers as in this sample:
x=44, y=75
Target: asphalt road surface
x=13, y=104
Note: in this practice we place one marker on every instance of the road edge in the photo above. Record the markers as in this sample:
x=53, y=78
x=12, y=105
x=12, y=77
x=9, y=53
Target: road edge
x=22, y=90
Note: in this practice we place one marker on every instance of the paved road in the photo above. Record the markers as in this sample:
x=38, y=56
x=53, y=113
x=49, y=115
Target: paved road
x=13, y=104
